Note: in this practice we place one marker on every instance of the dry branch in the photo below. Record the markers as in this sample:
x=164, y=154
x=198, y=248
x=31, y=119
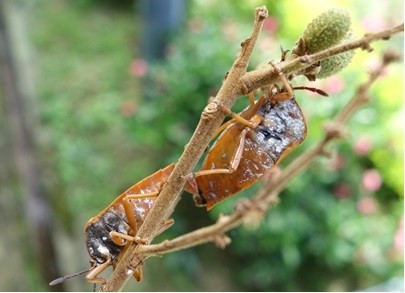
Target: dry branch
x=238, y=82
x=260, y=78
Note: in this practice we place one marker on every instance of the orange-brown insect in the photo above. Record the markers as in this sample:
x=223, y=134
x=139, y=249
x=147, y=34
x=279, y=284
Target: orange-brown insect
x=254, y=141
x=243, y=154
x=109, y=233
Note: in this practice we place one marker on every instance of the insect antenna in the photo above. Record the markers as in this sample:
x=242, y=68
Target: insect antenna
x=67, y=277
x=312, y=89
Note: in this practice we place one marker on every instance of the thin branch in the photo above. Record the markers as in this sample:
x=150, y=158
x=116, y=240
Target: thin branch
x=268, y=194
x=263, y=77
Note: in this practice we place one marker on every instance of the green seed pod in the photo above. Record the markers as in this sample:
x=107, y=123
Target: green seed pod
x=336, y=63
x=326, y=30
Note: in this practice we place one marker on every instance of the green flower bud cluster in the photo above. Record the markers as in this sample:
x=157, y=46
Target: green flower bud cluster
x=328, y=29
x=334, y=64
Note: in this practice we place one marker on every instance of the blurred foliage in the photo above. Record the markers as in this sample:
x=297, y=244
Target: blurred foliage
x=108, y=125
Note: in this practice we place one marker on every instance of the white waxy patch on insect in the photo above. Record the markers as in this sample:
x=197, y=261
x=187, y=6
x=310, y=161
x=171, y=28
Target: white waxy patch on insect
x=142, y=206
x=103, y=250
x=130, y=272
x=140, y=211
x=283, y=125
x=149, y=201
x=123, y=227
x=248, y=174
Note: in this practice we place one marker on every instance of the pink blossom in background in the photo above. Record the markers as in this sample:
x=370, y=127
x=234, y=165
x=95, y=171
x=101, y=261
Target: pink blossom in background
x=399, y=237
x=268, y=44
x=334, y=84
x=230, y=31
x=363, y=145
x=337, y=162
x=374, y=23
x=270, y=24
x=372, y=180
x=342, y=190
x=138, y=67
x=367, y=206
x=373, y=64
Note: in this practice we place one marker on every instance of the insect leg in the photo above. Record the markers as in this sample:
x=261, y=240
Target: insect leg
x=253, y=106
x=91, y=277
x=283, y=96
x=138, y=274
x=221, y=128
x=119, y=238
x=234, y=163
x=166, y=225
x=251, y=97
x=237, y=117
x=129, y=208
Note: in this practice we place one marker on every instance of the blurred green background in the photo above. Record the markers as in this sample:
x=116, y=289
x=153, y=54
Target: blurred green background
x=103, y=113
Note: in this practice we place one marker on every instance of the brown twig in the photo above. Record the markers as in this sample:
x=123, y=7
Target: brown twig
x=268, y=194
x=262, y=77
x=237, y=83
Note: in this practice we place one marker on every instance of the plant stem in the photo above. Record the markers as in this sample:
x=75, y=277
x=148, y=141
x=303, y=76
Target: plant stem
x=262, y=77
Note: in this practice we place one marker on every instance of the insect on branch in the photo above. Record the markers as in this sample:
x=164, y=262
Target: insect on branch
x=268, y=194
x=170, y=194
